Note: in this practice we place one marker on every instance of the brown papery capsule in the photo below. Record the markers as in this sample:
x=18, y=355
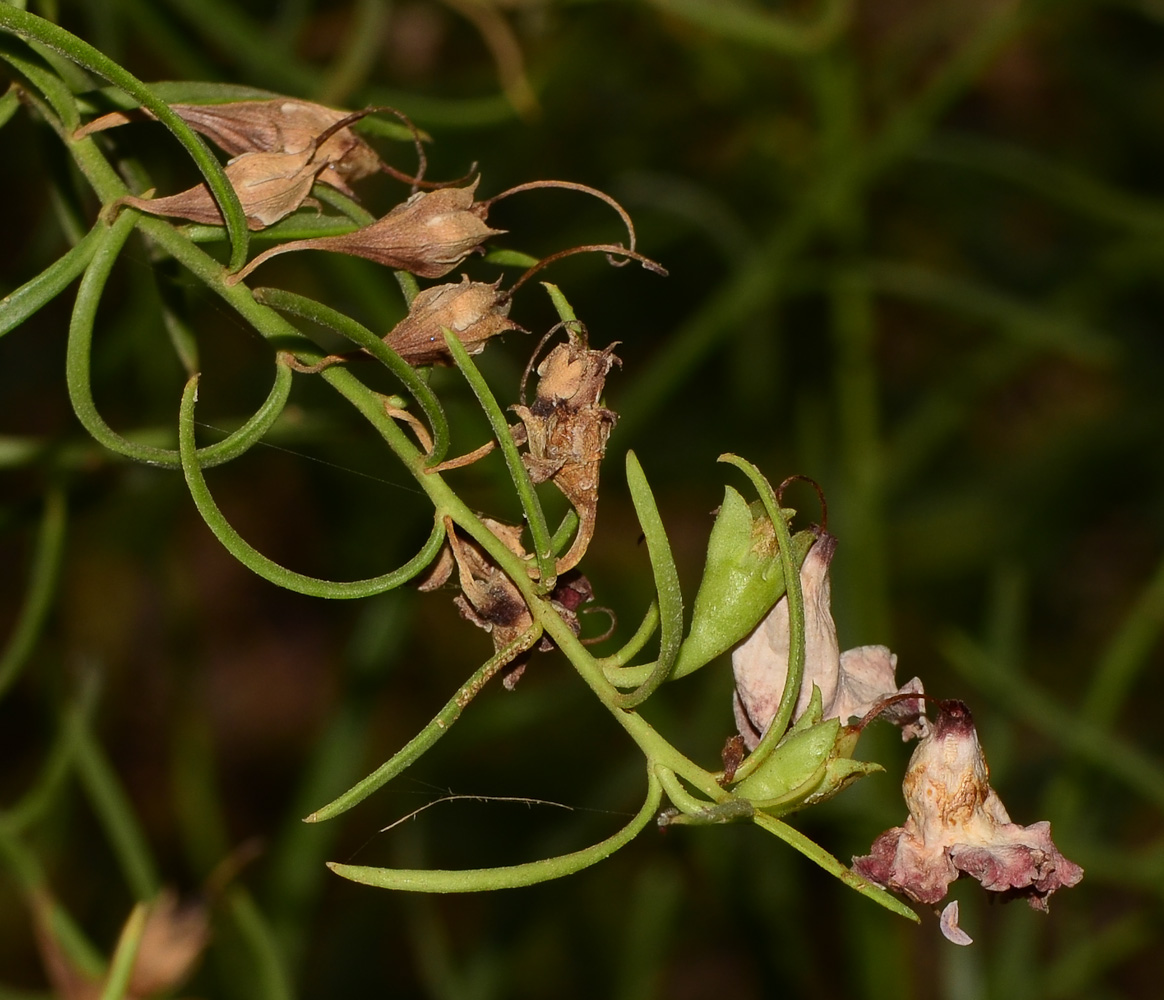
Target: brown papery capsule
x=473, y=310
x=428, y=235
x=269, y=186
x=281, y=125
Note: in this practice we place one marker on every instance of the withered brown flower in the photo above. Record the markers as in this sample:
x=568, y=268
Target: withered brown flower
x=270, y=186
x=850, y=683
x=427, y=235
x=280, y=125
x=473, y=310
x=958, y=826
x=172, y=942
x=490, y=599
x=566, y=429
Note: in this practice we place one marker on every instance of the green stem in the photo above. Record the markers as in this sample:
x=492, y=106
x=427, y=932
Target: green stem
x=42, y=581
x=511, y=877
x=814, y=852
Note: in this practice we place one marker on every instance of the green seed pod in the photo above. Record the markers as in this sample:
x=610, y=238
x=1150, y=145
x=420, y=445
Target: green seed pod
x=742, y=580
x=811, y=764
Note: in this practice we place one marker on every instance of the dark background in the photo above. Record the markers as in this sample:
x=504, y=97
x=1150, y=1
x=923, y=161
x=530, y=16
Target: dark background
x=915, y=254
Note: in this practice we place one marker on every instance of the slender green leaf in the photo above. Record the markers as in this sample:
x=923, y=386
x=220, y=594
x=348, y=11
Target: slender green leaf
x=485, y=879
x=670, y=597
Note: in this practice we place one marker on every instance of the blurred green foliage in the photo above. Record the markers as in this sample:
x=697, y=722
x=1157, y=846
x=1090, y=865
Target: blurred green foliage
x=915, y=254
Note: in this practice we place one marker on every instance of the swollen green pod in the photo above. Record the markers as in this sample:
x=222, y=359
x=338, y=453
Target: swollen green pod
x=742, y=580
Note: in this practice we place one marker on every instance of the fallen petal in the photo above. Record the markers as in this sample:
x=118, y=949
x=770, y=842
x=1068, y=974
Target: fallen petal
x=949, y=924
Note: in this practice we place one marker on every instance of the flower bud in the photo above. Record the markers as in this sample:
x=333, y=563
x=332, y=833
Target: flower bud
x=812, y=763
x=849, y=685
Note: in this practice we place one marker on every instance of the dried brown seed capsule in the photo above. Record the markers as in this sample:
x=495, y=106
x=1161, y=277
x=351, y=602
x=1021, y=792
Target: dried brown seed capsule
x=473, y=310
x=281, y=125
x=566, y=431
x=427, y=235
x=269, y=186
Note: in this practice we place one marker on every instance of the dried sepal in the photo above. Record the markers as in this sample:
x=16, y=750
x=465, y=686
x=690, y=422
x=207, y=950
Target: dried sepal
x=566, y=430
x=474, y=310
x=280, y=125
x=428, y=235
x=957, y=826
x=849, y=684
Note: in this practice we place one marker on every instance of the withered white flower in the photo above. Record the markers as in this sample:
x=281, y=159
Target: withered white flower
x=958, y=826
x=850, y=683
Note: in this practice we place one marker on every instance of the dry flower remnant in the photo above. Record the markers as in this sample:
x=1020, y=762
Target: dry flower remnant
x=490, y=599
x=566, y=430
x=474, y=310
x=958, y=826
x=850, y=683
x=173, y=939
x=428, y=235
x=281, y=125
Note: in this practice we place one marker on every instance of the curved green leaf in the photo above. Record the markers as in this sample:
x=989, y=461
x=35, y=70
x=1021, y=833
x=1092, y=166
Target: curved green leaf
x=795, y=596
x=258, y=563
x=534, y=515
x=423, y=740
x=484, y=879
x=670, y=597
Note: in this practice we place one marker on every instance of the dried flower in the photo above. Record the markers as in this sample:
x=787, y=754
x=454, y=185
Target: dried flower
x=281, y=125
x=958, y=826
x=566, y=430
x=172, y=941
x=850, y=684
x=269, y=186
x=473, y=310
x=427, y=235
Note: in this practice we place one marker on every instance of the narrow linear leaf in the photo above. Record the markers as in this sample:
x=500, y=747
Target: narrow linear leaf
x=513, y=876
x=795, y=595
x=125, y=954
x=258, y=563
x=670, y=597
x=36, y=293
x=424, y=740
x=530, y=504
